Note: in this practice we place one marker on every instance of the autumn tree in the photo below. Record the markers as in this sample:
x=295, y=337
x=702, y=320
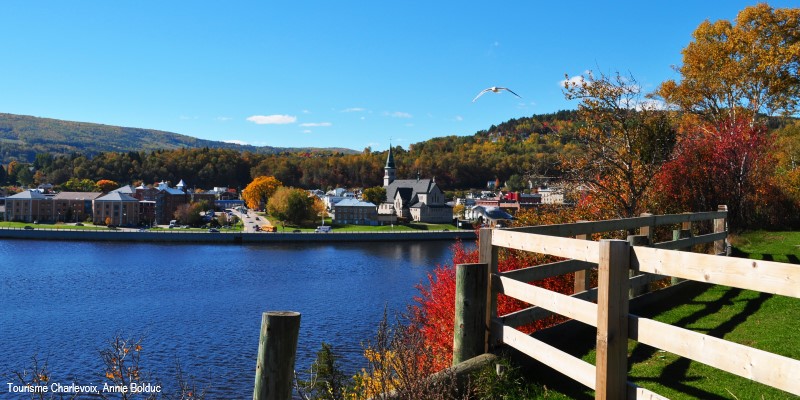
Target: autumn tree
x=623, y=139
x=79, y=185
x=787, y=154
x=2, y=175
x=375, y=195
x=731, y=163
x=258, y=192
x=750, y=64
x=292, y=205
x=190, y=214
x=106, y=185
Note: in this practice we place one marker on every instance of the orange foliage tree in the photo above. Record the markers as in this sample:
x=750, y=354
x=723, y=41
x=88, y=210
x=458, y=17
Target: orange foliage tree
x=106, y=185
x=259, y=191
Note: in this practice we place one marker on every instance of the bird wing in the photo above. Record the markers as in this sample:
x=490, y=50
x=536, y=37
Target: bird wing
x=481, y=94
x=511, y=91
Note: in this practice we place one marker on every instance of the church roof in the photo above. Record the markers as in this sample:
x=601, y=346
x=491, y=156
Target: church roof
x=409, y=189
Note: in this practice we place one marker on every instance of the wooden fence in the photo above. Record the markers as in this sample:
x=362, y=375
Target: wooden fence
x=623, y=269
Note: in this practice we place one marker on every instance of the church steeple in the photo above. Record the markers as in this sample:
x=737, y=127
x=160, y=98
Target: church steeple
x=389, y=170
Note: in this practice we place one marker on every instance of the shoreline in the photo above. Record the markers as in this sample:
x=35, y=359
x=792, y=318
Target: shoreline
x=230, y=237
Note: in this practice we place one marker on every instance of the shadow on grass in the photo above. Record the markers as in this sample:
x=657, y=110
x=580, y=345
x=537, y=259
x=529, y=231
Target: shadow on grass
x=674, y=375
x=737, y=252
x=579, y=340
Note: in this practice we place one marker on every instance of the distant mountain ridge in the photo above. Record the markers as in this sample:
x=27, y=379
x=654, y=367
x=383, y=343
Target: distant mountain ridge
x=23, y=136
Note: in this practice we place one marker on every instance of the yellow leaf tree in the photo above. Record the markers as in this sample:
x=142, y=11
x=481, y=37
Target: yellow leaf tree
x=259, y=191
x=741, y=68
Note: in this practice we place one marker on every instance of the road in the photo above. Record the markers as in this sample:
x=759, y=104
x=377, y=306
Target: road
x=250, y=221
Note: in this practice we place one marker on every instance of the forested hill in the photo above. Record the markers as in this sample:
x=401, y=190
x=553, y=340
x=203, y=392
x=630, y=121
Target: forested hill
x=22, y=137
x=511, y=150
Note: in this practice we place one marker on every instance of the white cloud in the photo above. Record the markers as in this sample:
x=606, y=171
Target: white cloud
x=234, y=141
x=354, y=109
x=459, y=118
x=275, y=119
x=398, y=114
x=306, y=112
x=223, y=119
x=307, y=131
x=577, y=79
x=314, y=124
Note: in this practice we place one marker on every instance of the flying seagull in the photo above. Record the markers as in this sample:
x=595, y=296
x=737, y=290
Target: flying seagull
x=495, y=89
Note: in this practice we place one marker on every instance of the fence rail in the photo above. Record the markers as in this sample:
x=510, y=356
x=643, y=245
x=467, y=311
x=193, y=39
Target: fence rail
x=622, y=266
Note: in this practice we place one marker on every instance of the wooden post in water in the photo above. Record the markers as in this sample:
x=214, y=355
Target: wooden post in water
x=469, y=333
x=637, y=240
x=582, y=277
x=720, y=226
x=277, y=346
x=612, y=320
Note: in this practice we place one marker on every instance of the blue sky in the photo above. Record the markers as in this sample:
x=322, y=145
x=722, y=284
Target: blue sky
x=328, y=74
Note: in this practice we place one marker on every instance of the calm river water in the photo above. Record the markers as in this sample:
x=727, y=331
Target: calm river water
x=200, y=305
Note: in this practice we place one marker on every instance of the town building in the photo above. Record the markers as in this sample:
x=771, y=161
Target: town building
x=74, y=206
x=29, y=206
x=418, y=200
x=355, y=212
x=116, y=209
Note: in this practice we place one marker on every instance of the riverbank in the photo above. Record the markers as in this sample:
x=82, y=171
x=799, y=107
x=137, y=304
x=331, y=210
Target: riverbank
x=175, y=236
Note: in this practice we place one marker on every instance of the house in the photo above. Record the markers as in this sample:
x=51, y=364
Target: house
x=490, y=216
x=74, y=206
x=116, y=209
x=336, y=195
x=29, y=206
x=418, y=200
x=356, y=212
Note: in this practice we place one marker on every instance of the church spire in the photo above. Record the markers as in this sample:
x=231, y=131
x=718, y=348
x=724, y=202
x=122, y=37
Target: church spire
x=389, y=169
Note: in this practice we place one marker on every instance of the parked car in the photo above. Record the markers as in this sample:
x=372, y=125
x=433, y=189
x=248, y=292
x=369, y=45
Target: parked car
x=213, y=230
x=28, y=227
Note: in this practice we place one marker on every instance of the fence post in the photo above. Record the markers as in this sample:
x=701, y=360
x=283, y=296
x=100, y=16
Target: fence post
x=648, y=230
x=469, y=331
x=684, y=233
x=720, y=226
x=582, y=277
x=612, y=320
x=487, y=254
x=637, y=240
x=277, y=346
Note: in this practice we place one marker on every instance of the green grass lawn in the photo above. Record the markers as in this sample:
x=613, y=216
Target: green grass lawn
x=21, y=225
x=759, y=320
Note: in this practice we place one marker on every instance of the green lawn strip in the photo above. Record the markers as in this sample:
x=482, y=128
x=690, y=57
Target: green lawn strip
x=22, y=225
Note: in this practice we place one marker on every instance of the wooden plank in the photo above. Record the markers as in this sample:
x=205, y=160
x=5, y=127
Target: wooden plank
x=757, y=365
x=640, y=393
x=689, y=242
x=590, y=227
x=538, y=272
x=535, y=313
x=612, y=322
x=560, y=361
x=762, y=276
x=488, y=254
x=583, y=250
x=567, y=306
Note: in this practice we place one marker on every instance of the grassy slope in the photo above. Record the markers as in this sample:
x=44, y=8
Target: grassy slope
x=762, y=321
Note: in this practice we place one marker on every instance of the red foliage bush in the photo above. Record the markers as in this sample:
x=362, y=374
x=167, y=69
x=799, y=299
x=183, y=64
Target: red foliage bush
x=434, y=312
